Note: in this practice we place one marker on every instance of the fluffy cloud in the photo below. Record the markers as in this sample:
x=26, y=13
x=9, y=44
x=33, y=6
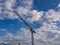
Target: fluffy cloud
x=58, y=5
x=22, y=11
x=9, y=4
x=23, y=8
x=19, y=37
x=48, y=34
x=36, y=15
x=53, y=15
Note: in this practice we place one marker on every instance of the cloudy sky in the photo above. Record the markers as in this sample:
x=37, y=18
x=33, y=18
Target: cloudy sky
x=42, y=15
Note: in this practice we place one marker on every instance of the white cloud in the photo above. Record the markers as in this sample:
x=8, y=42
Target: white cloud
x=9, y=15
x=23, y=9
x=36, y=15
x=48, y=34
x=58, y=5
x=52, y=15
x=9, y=4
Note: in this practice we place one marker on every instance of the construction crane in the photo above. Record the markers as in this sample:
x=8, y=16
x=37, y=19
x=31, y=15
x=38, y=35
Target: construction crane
x=31, y=29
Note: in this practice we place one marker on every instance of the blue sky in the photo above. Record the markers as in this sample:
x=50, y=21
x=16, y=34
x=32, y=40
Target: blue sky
x=43, y=5
x=42, y=15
